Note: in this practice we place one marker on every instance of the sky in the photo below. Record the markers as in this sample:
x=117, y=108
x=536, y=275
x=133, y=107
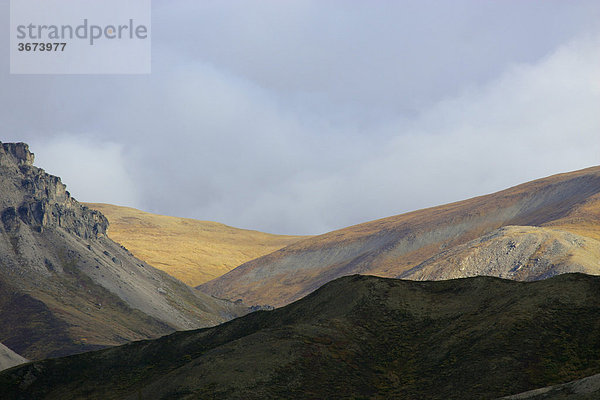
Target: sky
x=301, y=117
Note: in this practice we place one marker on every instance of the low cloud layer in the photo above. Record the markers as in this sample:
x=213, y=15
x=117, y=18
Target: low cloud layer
x=312, y=116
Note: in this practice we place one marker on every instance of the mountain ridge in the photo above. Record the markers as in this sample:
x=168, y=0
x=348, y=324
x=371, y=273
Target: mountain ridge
x=391, y=246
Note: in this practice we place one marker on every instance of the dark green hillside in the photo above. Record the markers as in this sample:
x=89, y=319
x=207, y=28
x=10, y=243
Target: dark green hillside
x=356, y=337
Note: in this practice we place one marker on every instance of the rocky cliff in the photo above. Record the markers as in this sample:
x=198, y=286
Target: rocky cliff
x=32, y=197
x=65, y=287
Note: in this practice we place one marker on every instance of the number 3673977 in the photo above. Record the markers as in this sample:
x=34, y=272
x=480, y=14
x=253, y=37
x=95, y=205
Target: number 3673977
x=41, y=46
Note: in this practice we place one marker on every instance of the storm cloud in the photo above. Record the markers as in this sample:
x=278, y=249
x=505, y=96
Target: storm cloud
x=306, y=116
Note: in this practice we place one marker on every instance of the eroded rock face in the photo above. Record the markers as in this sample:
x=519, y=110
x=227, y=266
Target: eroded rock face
x=40, y=200
x=18, y=151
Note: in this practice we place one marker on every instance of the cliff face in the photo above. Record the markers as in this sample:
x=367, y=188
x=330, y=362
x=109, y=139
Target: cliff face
x=65, y=287
x=31, y=196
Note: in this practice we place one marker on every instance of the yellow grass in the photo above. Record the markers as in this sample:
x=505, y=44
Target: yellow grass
x=192, y=251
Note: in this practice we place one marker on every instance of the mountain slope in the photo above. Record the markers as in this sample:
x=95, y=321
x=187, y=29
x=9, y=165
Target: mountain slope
x=9, y=358
x=190, y=250
x=391, y=246
x=65, y=287
x=514, y=252
x=356, y=337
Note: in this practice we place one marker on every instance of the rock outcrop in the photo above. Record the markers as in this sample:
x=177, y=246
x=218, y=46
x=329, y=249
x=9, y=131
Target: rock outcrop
x=32, y=197
x=65, y=287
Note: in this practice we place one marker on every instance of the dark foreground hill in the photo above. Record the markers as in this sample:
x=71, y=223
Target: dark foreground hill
x=356, y=337
x=65, y=287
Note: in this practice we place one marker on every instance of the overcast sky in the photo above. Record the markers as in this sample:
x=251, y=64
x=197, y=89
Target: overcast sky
x=307, y=116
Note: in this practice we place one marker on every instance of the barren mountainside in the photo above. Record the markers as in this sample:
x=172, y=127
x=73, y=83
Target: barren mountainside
x=392, y=246
x=514, y=252
x=190, y=250
x=65, y=287
x=355, y=337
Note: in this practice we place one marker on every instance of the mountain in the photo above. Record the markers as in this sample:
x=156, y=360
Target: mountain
x=65, y=287
x=581, y=389
x=392, y=246
x=356, y=337
x=9, y=358
x=190, y=250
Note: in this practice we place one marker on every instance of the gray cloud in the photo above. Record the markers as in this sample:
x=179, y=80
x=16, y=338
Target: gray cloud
x=301, y=117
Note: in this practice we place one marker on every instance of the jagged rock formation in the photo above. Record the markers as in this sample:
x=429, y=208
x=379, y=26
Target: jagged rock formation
x=391, y=246
x=356, y=337
x=523, y=253
x=38, y=200
x=9, y=358
x=65, y=287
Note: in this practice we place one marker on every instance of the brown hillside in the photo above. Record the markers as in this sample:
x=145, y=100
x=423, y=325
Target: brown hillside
x=192, y=251
x=391, y=246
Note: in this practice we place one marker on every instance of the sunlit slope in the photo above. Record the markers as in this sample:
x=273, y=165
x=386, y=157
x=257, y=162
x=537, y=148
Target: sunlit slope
x=192, y=251
x=391, y=246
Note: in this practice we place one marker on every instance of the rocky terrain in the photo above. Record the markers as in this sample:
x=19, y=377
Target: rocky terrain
x=356, y=337
x=568, y=203
x=514, y=252
x=65, y=287
x=190, y=250
x=9, y=358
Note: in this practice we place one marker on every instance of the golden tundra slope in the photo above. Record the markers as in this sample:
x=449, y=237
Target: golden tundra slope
x=567, y=206
x=192, y=251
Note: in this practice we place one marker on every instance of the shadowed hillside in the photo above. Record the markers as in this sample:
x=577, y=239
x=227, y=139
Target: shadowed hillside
x=356, y=337
x=190, y=250
x=389, y=247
